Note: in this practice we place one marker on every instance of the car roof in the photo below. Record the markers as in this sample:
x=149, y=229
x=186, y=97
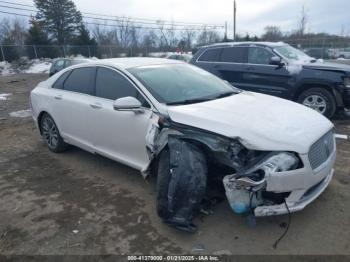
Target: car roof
x=225, y=44
x=131, y=62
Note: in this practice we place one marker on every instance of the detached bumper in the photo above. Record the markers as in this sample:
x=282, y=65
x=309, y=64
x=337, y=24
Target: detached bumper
x=310, y=195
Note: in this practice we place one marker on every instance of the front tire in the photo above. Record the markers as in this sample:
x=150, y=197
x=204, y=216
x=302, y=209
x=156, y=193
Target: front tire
x=181, y=184
x=319, y=99
x=51, y=134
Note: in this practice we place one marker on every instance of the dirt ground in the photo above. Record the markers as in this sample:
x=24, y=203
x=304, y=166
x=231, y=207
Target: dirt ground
x=79, y=203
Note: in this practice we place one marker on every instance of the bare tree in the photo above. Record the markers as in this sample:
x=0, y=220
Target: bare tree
x=303, y=21
x=188, y=35
x=13, y=31
x=164, y=42
x=272, y=33
x=207, y=37
x=105, y=37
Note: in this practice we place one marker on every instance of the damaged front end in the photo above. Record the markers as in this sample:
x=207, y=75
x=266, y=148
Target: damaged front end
x=187, y=158
x=245, y=191
x=189, y=161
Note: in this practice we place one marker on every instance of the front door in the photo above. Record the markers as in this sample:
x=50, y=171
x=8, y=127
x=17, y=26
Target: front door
x=120, y=135
x=261, y=76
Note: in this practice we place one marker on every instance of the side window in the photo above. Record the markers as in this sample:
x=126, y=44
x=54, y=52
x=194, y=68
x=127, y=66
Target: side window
x=60, y=81
x=81, y=80
x=67, y=63
x=258, y=55
x=236, y=54
x=59, y=65
x=211, y=55
x=112, y=85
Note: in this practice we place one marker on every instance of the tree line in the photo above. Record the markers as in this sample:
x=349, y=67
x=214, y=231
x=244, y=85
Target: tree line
x=59, y=23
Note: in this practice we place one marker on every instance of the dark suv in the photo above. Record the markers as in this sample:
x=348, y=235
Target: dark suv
x=278, y=69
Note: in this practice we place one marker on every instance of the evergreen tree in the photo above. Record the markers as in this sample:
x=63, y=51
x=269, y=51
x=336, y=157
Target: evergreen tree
x=83, y=43
x=59, y=18
x=38, y=42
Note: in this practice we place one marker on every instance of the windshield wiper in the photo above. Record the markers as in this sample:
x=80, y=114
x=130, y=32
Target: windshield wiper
x=223, y=95
x=189, y=101
x=201, y=99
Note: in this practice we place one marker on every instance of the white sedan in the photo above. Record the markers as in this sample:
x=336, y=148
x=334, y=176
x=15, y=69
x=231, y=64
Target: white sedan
x=184, y=124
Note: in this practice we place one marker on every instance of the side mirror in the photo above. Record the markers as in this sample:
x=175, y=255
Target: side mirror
x=127, y=103
x=276, y=60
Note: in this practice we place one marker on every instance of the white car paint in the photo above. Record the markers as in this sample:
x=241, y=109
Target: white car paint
x=259, y=121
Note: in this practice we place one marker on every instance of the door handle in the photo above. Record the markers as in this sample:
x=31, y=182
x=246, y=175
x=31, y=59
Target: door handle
x=217, y=66
x=249, y=68
x=96, y=106
x=58, y=97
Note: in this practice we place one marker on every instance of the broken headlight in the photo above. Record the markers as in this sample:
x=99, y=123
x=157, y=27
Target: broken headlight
x=244, y=192
x=280, y=162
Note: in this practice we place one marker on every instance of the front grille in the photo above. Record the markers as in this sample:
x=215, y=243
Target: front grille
x=321, y=150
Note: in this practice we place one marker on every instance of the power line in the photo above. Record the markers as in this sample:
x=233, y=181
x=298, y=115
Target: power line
x=119, y=18
x=91, y=23
x=16, y=3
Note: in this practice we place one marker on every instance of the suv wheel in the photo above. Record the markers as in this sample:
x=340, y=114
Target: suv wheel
x=52, y=135
x=320, y=100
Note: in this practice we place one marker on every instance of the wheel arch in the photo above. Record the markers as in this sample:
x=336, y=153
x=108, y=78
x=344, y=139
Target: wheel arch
x=40, y=117
x=306, y=86
x=207, y=152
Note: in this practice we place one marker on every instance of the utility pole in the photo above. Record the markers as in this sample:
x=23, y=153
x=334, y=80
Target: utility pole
x=234, y=20
x=225, y=31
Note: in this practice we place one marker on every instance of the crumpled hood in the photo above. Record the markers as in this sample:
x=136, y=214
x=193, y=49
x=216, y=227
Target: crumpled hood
x=328, y=66
x=260, y=122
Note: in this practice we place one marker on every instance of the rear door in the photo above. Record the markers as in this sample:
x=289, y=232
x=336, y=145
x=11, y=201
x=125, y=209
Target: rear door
x=260, y=76
x=231, y=65
x=209, y=59
x=120, y=135
x=71, y=106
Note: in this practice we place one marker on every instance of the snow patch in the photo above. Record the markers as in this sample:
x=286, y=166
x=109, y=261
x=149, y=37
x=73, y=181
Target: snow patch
x=38, y=67
x=22, y=113
x=6, y=69
x=4, y=97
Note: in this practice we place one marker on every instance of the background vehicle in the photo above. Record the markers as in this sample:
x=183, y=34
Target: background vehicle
x=280, y=70
x=180, y=57
x=344, y=53
x=319, y=53
x=184, y=122
x=60, y=63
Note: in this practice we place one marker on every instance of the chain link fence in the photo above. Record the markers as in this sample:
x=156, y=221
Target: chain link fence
x=10, y=53
x=323, y=47
x=318, y=47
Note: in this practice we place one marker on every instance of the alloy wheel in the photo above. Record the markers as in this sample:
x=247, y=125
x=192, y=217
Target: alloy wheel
x=316, y=102
x=50, y=132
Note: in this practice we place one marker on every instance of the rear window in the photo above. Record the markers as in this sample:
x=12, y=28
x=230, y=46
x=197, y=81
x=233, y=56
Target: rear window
x=234, y=55
x=81, y=80
x=60, y=81
x=211, y=55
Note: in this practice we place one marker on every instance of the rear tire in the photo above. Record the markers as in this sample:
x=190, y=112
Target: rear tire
x=51, y=134
x=319, y=99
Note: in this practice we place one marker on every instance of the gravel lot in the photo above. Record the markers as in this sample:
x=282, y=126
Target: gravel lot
x=79, y=203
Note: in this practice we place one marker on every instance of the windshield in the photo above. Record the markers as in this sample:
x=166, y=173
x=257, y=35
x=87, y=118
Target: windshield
x=292, y=53
x=181, y=83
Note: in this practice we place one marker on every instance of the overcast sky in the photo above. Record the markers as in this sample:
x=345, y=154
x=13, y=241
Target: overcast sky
x=252, y=15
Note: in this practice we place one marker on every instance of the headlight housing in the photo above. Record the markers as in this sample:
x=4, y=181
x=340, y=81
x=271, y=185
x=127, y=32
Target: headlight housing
x=277, y=162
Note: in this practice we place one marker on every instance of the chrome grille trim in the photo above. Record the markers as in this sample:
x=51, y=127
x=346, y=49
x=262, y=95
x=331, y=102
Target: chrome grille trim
x=321, y=150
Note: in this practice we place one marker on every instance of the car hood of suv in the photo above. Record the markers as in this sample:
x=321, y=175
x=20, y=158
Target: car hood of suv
x=260, y=122
x=328, y=66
